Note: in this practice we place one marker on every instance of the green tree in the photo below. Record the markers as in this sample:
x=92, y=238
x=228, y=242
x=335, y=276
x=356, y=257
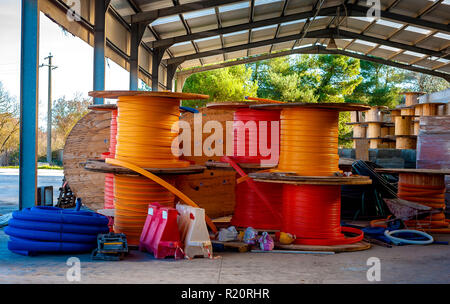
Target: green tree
x=307, y=78
x=381, y=85
x=65, y=114
x=227, y=84
x=9, y=122
x=427, y=83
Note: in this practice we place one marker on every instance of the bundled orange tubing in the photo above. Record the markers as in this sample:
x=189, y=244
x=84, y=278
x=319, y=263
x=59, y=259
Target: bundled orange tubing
x=313, y=214
x=431, y=196
x=132, y=196
x=309, y=147
x=109, y=177
x=309, y=142
x=144, y=139
x=144, y=135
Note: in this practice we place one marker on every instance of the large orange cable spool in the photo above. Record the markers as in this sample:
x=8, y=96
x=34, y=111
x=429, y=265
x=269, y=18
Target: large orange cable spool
x=144, y=138
x=309, y=141
x=309, y=147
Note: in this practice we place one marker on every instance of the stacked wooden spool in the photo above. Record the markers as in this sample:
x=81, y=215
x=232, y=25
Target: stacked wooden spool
x=404, y=116
x=374, y=126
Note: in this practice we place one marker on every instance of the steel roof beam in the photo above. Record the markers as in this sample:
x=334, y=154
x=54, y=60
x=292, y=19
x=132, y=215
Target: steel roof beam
x=150, y=16
x=329, y=11
x=313, y=50
x=325, y=33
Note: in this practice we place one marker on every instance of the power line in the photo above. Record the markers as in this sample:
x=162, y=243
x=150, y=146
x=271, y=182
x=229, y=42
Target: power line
x=51, y=67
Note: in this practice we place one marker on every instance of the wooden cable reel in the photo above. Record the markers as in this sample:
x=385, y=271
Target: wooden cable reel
x=89, y=138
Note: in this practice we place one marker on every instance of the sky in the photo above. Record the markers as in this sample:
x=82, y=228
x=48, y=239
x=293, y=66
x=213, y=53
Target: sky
x=72, y=56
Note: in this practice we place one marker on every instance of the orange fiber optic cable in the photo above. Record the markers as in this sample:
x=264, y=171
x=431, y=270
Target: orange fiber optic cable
x=144, y=140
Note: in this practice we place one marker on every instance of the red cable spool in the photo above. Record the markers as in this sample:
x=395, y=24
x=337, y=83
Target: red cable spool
x=250, y=212
x=109, y=177
x=313, y=214
x=251, y=139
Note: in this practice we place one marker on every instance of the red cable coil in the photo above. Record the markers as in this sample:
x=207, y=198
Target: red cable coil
x=313, y=213
x=109, y=177
x=249, y=210
x=251, y=139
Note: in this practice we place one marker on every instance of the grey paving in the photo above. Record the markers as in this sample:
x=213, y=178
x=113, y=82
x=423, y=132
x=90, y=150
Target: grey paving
x=403, y=264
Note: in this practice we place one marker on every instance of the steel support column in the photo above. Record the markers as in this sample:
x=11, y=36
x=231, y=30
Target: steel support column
x=171, y=70
x=137, y=31
x=101, y=7
x=28, y=103
x=156, y=61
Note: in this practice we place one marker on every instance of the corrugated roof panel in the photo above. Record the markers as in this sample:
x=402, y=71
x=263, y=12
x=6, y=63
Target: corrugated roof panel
x=408, y=37
x=291, y=28
x=202, y=24
x=405, y=58
x=212, y=59
x=383, y=53
x=434, y=43
x=441, y=14
x=283, y=46
x=190, y=63
x=259, y=50
x=342, y=43
x=298, y=6
x=199, y=14
x=234, y=7
x=182, y=49
x=234, y=17
x=382, y=29
x=410, y=7
x=122, y=7
x=148, y=36
x=265, y=9
x=145, y=5
x=354, y=25
x=359, y=47
x=305, y=41
x=263, y=34
x=210, y=44
x=445, y=69
x=237, y=54
x=236, y=39
x=319, y=23
x=432, y=62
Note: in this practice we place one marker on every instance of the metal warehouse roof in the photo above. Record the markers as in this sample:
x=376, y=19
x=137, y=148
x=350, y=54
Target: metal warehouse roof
x=186, y=34
x=196, y=33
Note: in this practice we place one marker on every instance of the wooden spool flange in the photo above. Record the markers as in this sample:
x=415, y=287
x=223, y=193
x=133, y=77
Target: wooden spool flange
x=99, y=165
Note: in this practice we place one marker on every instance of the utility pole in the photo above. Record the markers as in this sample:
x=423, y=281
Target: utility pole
x=49, y=106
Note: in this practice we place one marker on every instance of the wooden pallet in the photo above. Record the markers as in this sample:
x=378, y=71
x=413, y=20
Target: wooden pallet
x=336, y=248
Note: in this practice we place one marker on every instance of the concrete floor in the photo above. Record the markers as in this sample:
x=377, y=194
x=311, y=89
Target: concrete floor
x=403, y=264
